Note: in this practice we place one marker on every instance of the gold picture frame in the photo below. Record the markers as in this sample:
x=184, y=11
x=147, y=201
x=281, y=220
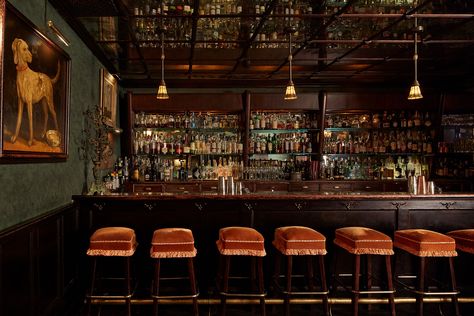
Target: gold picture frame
x=32, y=129
x=108, y=97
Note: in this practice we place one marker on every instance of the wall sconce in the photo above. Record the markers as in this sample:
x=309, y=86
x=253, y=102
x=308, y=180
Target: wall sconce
x=290, y=93
x=415, y=91
x=162, y=91
x=58, y=33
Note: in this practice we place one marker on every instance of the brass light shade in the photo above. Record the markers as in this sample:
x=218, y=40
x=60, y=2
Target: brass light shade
x=290, y=93
x=415, y=91
x=162, y=91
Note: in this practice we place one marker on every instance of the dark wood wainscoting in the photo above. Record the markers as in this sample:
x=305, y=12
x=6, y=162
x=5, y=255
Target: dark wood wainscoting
x=39, y=264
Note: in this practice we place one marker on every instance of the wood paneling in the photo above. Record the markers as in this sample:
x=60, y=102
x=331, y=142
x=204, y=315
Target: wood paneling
x=38, y=264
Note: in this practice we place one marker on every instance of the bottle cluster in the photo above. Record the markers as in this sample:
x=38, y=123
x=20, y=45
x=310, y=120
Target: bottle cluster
x=378, y=141
x=149, y=22
x=453, y=168
x=270, y=170
x=402, y=119
x=186, y=120
x=371, y=168
x=118, y=176
x=146, y=169
x=262, y=120
x=356, y=30
x=284, y=143
x=152, y=142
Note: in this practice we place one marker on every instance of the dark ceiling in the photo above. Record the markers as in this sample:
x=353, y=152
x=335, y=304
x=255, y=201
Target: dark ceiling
x=337, y=43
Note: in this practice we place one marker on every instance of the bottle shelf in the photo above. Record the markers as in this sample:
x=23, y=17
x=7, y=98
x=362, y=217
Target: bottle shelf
x=283, y=154
x=283, y=131
x=381, y=129
x=188, y=130
x=379, y=154
x=184, y=155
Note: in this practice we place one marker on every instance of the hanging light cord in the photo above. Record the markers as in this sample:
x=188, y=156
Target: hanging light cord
x=290, y=59
x=415, y=56
x=162, y=55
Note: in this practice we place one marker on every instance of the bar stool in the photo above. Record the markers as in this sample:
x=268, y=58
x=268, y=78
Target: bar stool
x=240, y=241
x=112, y=242
x=300, y=241
x=464, y=239
x=366, y=241
x=424, y=243
x=173, y=243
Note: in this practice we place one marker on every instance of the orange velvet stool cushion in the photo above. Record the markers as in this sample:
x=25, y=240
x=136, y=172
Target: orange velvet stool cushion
x=425, y=243
x=172, y=243
x=464, y=239
x=363, y=241
x=113, y=241
x=240, y=241
x=299, y=240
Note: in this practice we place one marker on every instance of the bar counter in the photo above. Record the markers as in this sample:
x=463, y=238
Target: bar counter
x=206, y=213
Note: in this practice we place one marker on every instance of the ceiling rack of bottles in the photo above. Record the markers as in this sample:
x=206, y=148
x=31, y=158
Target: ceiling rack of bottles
x=335, y=41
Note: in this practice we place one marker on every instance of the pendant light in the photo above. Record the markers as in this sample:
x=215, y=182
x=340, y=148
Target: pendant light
x=290, y=93
x=162, y=91
x=415, y=91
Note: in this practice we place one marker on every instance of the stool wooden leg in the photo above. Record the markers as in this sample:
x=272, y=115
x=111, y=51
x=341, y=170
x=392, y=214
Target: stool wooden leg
x=276, y=272
x=309, y=263
x=421, y=285
x=156, y=286
x=225, y=284
x=310, y=271
x=192, y=280
x=324, y=287
x=355, y=288
x=391, y=297
x=453, y=286
x=91, y=291
x=289, y=270
x=129, y=290
x=369, y=272
x=261, y=286
x=253, y=273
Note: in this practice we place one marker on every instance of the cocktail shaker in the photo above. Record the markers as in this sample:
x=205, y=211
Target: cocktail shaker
x=221, y=185
x=421, y=185
x=230, y=185
x=412, y=185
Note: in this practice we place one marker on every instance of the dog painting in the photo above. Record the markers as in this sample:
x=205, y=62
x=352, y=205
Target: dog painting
x=35, y=91
x=32, y=88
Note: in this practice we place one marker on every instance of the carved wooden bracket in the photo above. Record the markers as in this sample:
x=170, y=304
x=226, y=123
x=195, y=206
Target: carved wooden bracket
x=149, y=206
x=349, y=205
x=98, y=206
x=447, y=205
x=398, y=204
x=249, y=206
x=199, y=205
x=299, y=205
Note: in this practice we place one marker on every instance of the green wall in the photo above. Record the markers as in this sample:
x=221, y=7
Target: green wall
x=29, y=190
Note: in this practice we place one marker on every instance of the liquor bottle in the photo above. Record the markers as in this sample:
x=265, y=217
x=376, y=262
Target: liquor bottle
x=403, y=120
x=427, y=120
x=416, y=119
x=385, y=120
x=410, y=121
x=376, y=121
x=395, y=122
